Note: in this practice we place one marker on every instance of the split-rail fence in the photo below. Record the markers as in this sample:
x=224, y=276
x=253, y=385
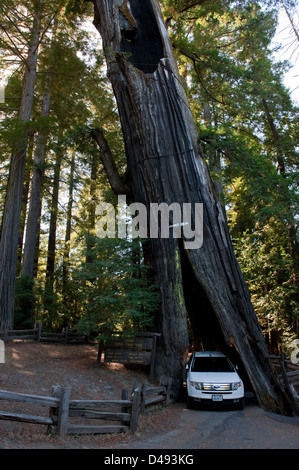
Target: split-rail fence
x=38, y=334
x=123, y=413
x=288, y=374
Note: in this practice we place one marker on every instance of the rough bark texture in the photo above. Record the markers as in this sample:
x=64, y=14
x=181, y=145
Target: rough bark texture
x=49, y=300
x=165, y=165
x=13, y=201
x=36, y=187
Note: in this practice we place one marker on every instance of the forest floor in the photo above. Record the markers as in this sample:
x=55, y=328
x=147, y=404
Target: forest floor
x=33, y=368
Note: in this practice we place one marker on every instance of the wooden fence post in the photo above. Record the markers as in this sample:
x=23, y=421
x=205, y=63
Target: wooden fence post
x=135, y=410
x=53, y=411
x=63, y=413
x=142, y=398
x=124, y=409
x=288, y=387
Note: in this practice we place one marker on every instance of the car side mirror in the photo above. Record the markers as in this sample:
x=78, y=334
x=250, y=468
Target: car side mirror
x=187, y=366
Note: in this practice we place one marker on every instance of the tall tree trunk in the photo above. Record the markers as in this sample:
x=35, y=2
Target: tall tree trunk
x=91, y=209
x=36, y=185
x=49, y=301
x=26, y=187
x=66, y=251
x=276, y=139
x=13, y=201
x=165, y=165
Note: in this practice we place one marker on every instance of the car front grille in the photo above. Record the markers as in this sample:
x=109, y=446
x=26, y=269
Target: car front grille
x=212, y=387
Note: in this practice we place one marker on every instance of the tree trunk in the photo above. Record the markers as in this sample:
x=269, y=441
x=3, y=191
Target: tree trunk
x=26, y=187
x=66, y=252
x=91, y=210
x=13, y=201
x=36, y=185
x=49, y=301
x=165, y=165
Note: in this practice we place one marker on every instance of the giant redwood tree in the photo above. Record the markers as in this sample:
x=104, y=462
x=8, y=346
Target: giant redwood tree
x=13, y=201
x=165, y=164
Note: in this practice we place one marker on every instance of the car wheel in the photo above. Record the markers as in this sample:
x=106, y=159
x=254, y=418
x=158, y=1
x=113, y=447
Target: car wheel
x=241, y=404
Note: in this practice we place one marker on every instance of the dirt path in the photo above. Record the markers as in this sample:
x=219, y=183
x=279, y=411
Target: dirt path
x=251, y=428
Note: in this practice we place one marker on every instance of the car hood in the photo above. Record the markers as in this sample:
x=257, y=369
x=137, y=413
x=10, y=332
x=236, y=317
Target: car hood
x=214, y=377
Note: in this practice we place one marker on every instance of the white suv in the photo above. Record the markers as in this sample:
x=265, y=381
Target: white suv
x=212, y=378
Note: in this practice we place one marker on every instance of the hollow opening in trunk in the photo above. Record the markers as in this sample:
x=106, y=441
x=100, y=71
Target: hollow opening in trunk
x=205, y=332
x=142, y=40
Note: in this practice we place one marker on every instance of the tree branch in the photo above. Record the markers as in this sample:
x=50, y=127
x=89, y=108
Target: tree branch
x=185, y=8
x=195, y=60
x=118, y=183
x=13, y=48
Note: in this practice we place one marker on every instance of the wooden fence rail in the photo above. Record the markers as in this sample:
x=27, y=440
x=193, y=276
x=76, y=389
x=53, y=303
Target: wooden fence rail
x=124, y=413
x=29, y=399
x=39, y=335
x=153, y=396
x=288, y=374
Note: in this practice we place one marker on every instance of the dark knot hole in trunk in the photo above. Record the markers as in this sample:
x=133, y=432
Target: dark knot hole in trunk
x=142, y=42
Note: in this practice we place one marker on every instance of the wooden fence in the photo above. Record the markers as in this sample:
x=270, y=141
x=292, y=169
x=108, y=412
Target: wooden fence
x=151, y=397
x=124, y=413
x=288, y=374
x=38, y=334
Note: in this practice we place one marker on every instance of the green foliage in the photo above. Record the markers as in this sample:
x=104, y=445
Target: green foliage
x=78, y=7
x=24, y=303
x=269, y=270
x=114, y=288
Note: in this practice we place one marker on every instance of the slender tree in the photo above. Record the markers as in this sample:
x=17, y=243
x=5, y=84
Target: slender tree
x=13, y=201
x=36, y=186
x=67, y=240
x=49, y=295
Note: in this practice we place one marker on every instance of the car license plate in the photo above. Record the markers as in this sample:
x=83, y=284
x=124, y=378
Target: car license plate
x=217, y=397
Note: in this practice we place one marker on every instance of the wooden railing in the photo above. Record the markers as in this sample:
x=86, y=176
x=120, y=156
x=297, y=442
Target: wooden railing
x=288, y=374
x=38, y=334
x=152, y=397
x=124, y=413
x=33, y=333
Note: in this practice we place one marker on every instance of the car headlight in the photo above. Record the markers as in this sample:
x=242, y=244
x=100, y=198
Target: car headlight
x=236, y=385
x=197, y=385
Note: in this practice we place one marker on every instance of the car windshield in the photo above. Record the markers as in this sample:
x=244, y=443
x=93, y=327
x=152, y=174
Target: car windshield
x=211, y=364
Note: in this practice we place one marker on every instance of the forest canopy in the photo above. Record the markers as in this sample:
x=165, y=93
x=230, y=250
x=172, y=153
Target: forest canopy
x=57, y=95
